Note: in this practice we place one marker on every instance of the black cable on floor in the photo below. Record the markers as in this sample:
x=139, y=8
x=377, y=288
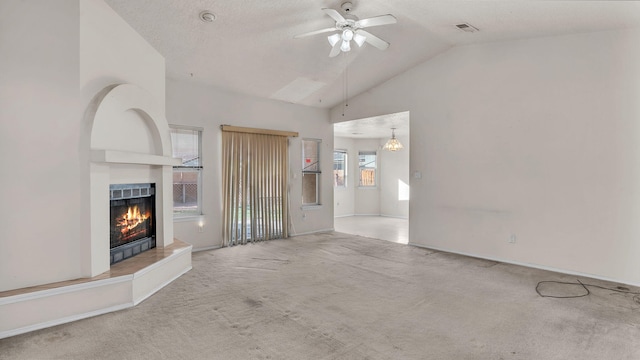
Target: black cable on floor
x=586, y=288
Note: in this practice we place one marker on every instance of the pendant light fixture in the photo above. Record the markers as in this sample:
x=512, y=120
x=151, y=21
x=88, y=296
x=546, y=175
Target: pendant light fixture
x=393, y=144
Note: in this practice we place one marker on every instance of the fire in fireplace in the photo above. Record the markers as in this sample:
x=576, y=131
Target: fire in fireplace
x=132, y=210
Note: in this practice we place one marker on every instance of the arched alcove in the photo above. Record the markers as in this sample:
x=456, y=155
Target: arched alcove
x=111, y=114
x=130, y=143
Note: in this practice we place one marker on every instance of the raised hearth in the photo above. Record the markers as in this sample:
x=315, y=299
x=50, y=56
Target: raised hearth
x=125, y=285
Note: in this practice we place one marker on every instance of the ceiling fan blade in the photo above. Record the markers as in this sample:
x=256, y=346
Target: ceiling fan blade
x=377, y=21
x=335, y=50
x=374, y=40
x=315, y=32
x=335, y=15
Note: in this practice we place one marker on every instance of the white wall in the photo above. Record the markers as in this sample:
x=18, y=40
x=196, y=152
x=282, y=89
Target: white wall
x=40, y=125
x=394, y=180
x=112, y=52
x=344, y=197
x=536, y=138
x=193, y=104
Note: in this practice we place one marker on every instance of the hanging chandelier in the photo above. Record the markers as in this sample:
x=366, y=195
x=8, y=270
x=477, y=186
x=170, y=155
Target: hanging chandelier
x=393, y=144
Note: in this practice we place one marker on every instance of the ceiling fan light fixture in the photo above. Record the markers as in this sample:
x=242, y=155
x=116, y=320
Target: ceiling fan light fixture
x=359, y=39
x=333, y=39
x=393, y=144
x=345, y=46
x=347, y=34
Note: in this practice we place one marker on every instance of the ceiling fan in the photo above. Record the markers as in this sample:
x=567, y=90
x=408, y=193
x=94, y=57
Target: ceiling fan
x=350, y=28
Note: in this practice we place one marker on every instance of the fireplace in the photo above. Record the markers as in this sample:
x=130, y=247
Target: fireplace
x=132, y=220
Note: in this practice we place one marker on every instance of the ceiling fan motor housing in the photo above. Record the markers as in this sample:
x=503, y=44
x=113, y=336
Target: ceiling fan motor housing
x=348, y=24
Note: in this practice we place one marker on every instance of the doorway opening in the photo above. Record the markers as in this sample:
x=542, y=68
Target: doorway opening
x=371, y=183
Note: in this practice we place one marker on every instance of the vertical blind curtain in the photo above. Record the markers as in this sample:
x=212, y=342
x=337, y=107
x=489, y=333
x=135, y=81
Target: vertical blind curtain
x=254, y=186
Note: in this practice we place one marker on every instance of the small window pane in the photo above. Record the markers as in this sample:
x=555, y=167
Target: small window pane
x=310, y=159
x=367, y=167
x=186, y=145
x=310, y=171
x=340, y=168
x=185, y=191
x=309, y=189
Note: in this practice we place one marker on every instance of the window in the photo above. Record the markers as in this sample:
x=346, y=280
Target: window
x=310, y=171
x=187, y=178
x=340, y=168
x=367, y=167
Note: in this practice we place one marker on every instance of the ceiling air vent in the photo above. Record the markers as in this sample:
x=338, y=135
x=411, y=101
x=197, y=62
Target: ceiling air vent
x=466, y=27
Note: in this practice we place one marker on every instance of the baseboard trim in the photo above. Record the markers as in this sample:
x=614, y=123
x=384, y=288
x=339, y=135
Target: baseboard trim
x=207, y=248
x=382, y=215
x=314, y=232
x=395, y=216
x=529, y=265
x=68, y=319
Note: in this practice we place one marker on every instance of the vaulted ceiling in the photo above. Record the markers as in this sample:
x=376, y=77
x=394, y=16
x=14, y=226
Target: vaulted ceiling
x=250, y=48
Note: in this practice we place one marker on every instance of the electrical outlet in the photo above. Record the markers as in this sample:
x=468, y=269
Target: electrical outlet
x=512, y=239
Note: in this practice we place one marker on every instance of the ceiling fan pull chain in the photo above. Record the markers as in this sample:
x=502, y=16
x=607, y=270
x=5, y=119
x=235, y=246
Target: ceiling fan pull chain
x=346, y=79
x=345, y=88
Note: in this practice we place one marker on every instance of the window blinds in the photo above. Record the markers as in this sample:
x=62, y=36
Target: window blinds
x=255, y=168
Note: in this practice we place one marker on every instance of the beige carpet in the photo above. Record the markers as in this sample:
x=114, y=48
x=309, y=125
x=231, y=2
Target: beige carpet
x=336, y=296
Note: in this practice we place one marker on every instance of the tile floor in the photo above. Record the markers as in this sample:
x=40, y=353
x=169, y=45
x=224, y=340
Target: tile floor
x=377, y=227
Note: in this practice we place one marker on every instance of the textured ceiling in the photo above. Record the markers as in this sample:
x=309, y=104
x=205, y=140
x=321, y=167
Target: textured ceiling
x=374, y=127
x=250, y=48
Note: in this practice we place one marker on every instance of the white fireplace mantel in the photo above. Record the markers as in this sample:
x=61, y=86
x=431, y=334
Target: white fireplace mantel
x=128, y=157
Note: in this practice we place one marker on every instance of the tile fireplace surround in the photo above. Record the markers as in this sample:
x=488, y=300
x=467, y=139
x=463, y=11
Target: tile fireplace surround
x=114, y=160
